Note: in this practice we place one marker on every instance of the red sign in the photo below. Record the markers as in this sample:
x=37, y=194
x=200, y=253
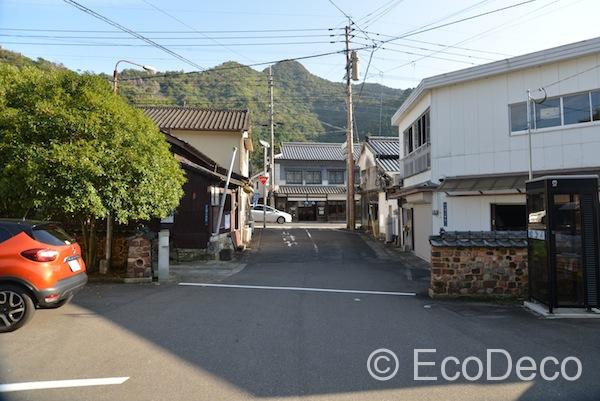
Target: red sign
x=263, y=179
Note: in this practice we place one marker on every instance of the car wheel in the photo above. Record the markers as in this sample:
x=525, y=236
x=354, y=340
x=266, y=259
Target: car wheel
x=281, y=220
x=16, y=307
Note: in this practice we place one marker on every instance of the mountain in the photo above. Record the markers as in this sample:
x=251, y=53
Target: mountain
x=18, y=60
x=306, y=107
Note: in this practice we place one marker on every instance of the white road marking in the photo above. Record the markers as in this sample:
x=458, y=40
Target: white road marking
x=313, y=242
x=308, y=289
x=41, y=385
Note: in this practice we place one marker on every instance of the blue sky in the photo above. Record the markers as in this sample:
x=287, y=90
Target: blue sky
x=206, y=33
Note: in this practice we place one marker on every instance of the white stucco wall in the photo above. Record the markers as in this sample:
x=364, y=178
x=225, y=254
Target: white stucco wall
x=384, y=207
x=422, y=231
x=469, y=213
x=218, y=146
x=470, y=127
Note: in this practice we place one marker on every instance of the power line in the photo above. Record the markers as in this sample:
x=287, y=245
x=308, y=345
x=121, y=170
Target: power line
x=192, y=28
x=172, y=32
x=169, y=37
x=458, y=21
x=186, y=45
x=133, y=33
x=240, y=66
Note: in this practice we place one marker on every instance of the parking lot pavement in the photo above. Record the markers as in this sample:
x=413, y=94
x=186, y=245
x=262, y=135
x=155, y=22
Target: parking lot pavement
x=245, y=339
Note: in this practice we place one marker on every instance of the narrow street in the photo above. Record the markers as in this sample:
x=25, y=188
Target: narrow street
x=303, y=340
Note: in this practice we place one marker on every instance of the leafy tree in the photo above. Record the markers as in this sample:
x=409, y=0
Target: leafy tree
x=71, y=149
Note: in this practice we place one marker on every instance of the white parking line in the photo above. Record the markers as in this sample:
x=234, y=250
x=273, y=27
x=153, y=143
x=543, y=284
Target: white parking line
x=313, y=242
x=264, y=287
x=42, y=385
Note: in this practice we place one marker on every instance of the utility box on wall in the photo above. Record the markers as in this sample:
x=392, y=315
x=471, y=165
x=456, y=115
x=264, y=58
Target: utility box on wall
x=563, y=243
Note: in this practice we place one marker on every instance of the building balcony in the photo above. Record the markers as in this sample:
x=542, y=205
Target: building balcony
x=417, y=161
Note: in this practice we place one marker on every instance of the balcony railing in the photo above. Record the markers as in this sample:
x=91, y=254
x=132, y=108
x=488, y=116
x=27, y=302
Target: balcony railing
x=417, y=161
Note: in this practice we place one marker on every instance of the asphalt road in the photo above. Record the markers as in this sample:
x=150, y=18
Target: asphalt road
x=219, y=343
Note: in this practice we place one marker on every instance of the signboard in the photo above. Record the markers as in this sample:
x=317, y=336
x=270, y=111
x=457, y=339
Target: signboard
x=255, y=199
x=263, y=179
x=445, y=211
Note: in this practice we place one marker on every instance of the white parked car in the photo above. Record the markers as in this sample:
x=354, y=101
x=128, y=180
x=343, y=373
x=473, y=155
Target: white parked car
x=272, y=215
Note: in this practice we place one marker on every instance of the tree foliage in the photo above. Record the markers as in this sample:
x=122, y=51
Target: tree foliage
x=71, y=149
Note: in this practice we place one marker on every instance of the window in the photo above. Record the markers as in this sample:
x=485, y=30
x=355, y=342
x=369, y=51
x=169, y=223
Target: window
x=557, y=111
x=293, y=177
x=408, y=140
x=417, y=134
x=4, y=234
x=312, y=177
x=518, y=117
x=547, y=114
x=335, y=176
x=509, y=217
x=576, y=108
x=52, y=234
x=596, y=105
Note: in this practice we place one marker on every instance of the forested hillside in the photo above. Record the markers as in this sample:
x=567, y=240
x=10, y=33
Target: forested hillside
x=307, y=107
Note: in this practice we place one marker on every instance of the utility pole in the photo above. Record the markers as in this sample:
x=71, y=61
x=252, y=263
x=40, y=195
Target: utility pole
x=272, y=124
x=349, y=135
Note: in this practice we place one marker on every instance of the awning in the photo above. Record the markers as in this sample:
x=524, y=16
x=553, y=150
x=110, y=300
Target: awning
x=490, y=184
x=311, y=189
x=399, y=192
x=483, y=185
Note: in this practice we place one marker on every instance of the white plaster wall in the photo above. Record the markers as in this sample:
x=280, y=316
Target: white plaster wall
x=384, y=211
x=469, y=213
x=422, y=231
x=470, y=128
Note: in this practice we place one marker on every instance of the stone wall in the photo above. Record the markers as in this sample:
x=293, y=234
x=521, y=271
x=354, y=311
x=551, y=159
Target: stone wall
x=139, y=257
x=479, y=266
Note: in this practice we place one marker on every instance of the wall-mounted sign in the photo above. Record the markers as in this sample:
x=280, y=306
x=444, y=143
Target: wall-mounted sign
x=445, y=213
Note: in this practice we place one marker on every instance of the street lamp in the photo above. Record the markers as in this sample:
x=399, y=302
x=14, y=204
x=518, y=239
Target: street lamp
x=105, y=264
x=265, y=146
x=148, y=68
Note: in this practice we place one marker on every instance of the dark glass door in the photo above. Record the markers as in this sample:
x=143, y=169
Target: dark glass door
x=539, y=278
x=566, y=232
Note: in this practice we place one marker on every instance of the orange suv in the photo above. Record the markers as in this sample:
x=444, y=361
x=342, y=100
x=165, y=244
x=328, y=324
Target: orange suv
x=40, y=266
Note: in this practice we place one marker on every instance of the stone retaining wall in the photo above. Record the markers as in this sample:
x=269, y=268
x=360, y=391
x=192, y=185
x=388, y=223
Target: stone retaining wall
x=478, y=267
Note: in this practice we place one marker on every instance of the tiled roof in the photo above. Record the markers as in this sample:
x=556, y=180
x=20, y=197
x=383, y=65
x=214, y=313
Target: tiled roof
x=311, y=189
x=388, y=165
x=193, y=118
x=386, y=146
x=314, y=151
x=480, y=239
x=386, y=150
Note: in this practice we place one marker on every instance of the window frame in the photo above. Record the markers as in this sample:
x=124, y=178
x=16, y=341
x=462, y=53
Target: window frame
x=418, y=133
x=493, y=219
x=307, y=173
x=295, y=182
x=341, y=172
x=535, y=129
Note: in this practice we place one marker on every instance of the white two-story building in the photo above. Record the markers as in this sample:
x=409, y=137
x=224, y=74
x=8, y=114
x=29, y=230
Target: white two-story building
x=464, y=144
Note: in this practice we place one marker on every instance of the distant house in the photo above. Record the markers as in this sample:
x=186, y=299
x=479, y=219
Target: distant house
x=379, y=170
x=195, y=220
x=311, y=181
x=214, y=133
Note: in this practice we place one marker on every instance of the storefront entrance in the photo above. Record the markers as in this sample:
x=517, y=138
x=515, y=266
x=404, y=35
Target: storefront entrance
x=307, y=211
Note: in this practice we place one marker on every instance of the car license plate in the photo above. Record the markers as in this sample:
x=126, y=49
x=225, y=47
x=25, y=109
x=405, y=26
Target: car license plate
x=74, y=265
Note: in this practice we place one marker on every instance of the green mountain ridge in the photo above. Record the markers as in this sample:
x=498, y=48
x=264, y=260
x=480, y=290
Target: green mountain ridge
x=306, y=107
